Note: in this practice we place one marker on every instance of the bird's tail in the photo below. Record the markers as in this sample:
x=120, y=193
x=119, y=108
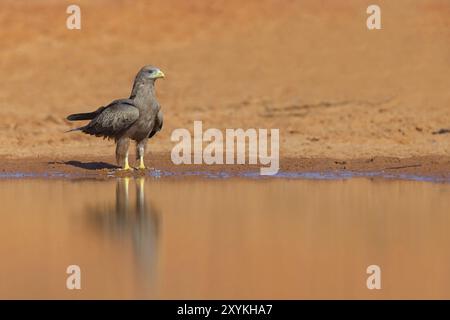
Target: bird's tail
x=82, y=116
x=76, y=129
x=85, y=116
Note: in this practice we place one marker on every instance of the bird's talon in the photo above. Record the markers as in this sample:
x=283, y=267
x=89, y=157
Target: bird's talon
x=126, y=168
x=141, y=164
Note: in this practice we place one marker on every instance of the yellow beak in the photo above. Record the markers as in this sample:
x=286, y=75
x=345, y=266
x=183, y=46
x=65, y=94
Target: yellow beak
x=159, y=74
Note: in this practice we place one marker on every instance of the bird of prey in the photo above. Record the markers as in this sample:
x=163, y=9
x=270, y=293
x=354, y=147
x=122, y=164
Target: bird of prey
x=137, y=118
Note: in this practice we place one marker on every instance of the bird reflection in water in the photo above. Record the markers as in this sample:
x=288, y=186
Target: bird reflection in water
x=138, y=223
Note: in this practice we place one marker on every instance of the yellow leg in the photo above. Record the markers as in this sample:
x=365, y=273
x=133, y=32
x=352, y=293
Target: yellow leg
x=141, y=163
x=126, y=165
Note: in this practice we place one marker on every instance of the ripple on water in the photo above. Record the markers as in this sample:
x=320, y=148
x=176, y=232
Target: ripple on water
x=324, y=175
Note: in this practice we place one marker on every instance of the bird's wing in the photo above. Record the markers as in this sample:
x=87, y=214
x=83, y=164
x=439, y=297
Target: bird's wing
x=116, y=117
x=158, y=124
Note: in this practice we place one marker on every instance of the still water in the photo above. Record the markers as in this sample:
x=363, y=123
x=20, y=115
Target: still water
x=235, y=238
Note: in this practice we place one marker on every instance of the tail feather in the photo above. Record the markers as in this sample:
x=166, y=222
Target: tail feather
x=76, y=129
x=85, y=116
x=82, y=116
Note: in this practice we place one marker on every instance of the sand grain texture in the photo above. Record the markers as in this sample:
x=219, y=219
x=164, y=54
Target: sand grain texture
x=310, y=68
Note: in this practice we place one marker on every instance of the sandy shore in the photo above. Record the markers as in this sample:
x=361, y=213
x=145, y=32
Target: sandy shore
x=430, y=168
x=341, y=95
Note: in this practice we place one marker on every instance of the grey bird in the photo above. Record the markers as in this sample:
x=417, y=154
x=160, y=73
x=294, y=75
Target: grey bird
x=137, y=118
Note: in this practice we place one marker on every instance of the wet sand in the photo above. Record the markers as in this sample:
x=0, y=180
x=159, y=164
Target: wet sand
x=417, y=168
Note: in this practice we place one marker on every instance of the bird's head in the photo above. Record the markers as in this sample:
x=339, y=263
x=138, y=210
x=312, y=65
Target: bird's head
x=149, y=73
x=145, y=80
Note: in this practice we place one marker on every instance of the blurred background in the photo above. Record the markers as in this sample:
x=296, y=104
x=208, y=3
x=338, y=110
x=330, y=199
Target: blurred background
x=309, y=67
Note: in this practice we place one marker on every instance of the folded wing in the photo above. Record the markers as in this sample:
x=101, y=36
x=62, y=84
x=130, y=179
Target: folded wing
x=113, y=120
x=158, y=124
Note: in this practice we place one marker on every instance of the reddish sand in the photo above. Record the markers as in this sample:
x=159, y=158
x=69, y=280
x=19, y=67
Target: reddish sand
x=431, y=168
x=311, y=68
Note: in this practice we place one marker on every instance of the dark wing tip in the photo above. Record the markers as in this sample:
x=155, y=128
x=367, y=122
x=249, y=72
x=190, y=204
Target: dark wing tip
x=83, y=116
x=71, y=117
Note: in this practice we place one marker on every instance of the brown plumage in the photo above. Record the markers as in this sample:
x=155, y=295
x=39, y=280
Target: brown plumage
x=137, y=118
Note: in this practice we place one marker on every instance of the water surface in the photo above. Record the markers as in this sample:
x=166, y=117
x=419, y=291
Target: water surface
x=233, y=238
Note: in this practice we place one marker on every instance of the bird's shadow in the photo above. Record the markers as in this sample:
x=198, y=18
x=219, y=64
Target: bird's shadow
x=90, y=165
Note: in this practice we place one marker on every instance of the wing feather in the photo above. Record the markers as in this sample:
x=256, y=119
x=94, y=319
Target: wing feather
x=158, y=124
x=114, y=120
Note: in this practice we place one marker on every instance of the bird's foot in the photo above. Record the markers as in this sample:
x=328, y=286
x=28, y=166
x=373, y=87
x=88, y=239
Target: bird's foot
x=126, y=168
x=141, y=165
